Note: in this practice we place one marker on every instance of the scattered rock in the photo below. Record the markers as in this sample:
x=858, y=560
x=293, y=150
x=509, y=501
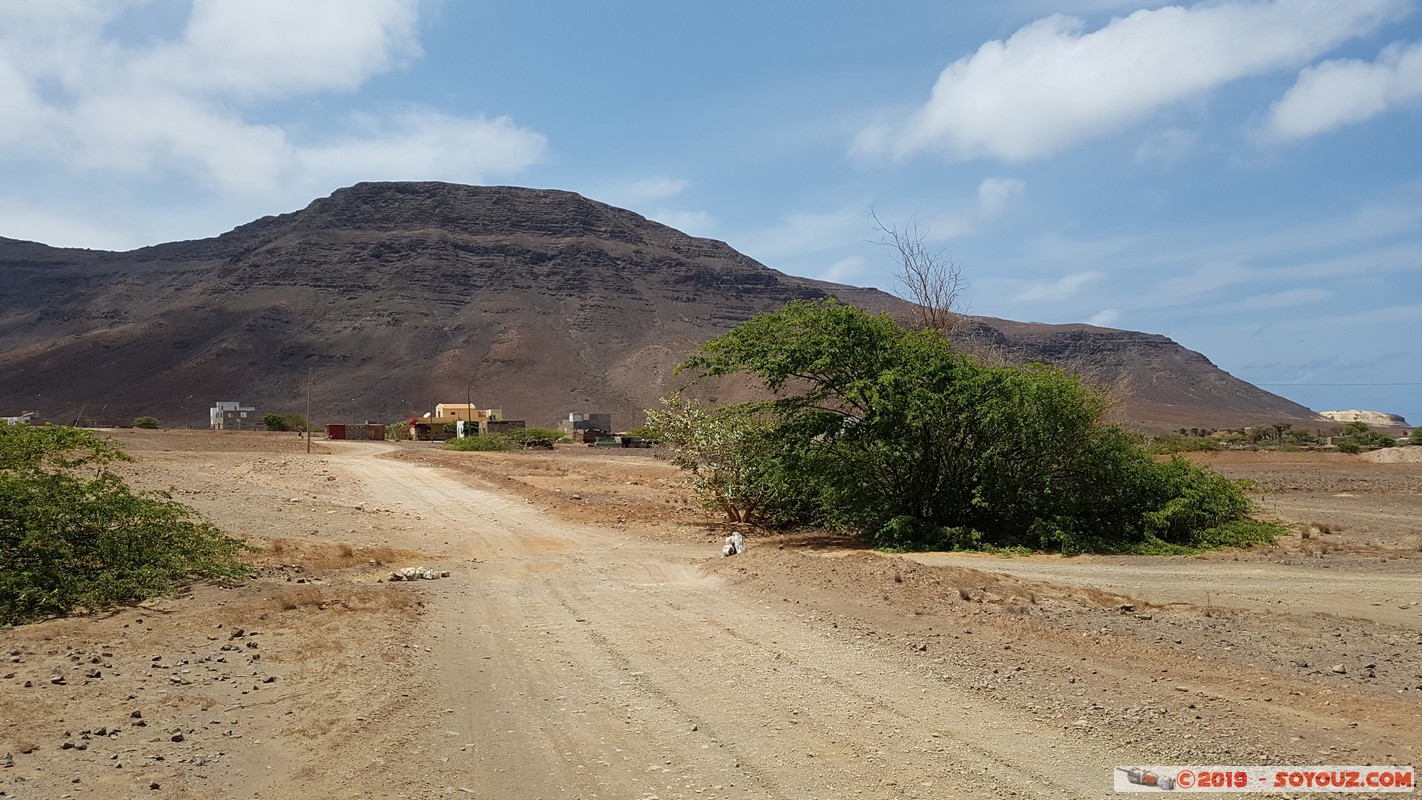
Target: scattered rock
x=735, y=544
x=418, y=574
x=1339, y=669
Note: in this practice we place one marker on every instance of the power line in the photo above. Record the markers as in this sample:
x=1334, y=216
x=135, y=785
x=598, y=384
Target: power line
x=1338, y=384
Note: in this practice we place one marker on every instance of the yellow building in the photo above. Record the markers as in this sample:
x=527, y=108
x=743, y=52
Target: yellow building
x=446, y=413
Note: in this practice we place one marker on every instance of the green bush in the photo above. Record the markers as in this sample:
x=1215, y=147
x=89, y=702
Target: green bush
x=527, y=436
x=146, y=422
x=735, y=460
x=1198, y=500
x=475, y=444
x=284, y=422
x=1358, y=437
x=73, y=535
x=896, y=434
x=1416, y=437
x=1170, y=443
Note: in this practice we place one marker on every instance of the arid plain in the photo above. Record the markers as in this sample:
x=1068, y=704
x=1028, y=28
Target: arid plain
x=591, y=642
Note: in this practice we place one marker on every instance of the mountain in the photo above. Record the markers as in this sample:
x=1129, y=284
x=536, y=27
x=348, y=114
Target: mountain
x=392, y=297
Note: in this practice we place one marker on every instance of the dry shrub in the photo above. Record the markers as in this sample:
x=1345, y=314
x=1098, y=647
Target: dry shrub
x=1106, y=599
x=293, y=599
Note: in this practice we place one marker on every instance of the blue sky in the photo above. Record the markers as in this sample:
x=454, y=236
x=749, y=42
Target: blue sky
x=1244, y=176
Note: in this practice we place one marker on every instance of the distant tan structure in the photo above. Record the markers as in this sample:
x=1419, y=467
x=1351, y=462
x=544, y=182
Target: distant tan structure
x=1367, y=417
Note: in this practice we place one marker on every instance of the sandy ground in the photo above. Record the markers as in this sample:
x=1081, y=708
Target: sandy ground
x=590, y=642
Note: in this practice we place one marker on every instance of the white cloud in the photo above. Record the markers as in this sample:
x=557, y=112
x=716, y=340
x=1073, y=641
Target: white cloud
x=1104, y=318
x=803, y=233
x=807, y=233
x=994, y=194
x=261, y=48
x=694, y=223
x=844, y=270
x=48, y=226
x=1346, y=91
x=1057, y=290
x=136, y=133
x=1052, y=84
x=422, y=145
x=72, y=94
x=646, y=190
x=20, y=107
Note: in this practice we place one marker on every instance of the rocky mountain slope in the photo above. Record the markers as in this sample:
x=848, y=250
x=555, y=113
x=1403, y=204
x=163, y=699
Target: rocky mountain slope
x=392, y=297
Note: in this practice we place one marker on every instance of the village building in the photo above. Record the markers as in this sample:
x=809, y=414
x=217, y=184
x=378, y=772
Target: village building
x=462, y=419
x=233, y=416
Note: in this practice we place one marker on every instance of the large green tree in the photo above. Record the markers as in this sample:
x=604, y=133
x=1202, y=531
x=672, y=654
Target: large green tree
x=896, y=433
x=73, y=535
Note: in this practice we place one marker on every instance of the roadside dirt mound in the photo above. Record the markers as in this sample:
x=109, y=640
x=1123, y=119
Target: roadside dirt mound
x=1394, y=455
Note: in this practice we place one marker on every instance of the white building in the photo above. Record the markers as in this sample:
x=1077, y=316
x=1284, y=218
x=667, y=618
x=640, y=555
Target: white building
x=233, y=416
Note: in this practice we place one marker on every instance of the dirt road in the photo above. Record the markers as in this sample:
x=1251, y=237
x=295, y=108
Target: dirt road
x=581, y=650
x=581, y=664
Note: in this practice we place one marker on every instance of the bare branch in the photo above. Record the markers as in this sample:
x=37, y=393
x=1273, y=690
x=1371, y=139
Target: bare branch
x=929, y=279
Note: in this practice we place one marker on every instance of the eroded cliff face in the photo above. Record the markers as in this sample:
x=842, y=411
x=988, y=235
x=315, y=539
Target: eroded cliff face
x=396, y=296
x=1379, y=419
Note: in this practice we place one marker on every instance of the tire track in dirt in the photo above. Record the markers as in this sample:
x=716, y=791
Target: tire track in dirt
x=575, y=663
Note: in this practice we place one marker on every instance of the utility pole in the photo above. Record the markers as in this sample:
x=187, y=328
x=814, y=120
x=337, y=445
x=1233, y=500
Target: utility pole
x=469, y=408
x=308, y=410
